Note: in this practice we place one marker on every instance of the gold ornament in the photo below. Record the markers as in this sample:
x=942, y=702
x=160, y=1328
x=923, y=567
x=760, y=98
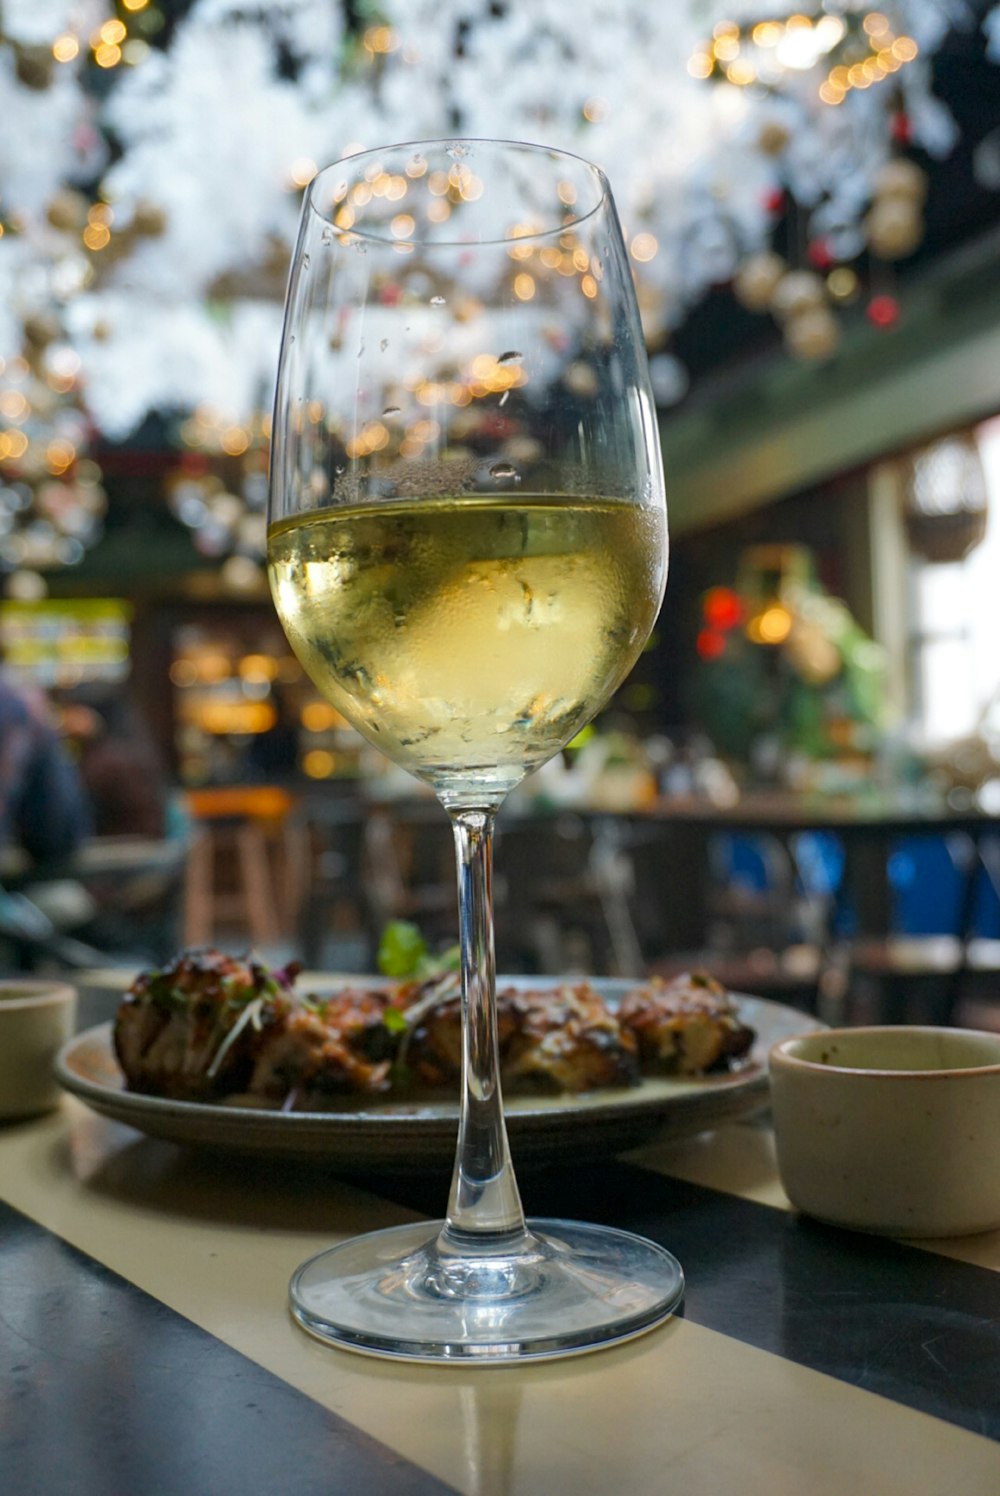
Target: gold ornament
x=900, y=178
x=773, y=138
x=149, y=219
x=67, y=211
x=797, y=292
x=894, y=228
x=756, y=279
x=812, y=334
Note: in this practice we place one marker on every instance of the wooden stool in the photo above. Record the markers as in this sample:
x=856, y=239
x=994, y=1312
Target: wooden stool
x=239, y=832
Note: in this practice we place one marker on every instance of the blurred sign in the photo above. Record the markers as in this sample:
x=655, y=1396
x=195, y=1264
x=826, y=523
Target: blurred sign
x=66, y=642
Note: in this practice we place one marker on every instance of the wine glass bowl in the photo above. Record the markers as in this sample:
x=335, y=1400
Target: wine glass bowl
x=467, y=550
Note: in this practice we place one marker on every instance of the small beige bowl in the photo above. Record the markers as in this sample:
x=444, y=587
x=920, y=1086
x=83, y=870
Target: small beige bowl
x=36, y=1019
x=894, y=1130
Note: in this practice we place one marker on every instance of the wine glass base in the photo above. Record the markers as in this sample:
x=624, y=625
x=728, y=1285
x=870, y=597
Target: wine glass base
x=573, y=1288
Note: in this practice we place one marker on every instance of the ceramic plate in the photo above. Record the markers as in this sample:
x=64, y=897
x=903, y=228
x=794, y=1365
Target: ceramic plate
x=401, y=1135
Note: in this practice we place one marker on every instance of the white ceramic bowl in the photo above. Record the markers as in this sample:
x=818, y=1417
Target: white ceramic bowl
x=894, y=1130
x=36, y=1019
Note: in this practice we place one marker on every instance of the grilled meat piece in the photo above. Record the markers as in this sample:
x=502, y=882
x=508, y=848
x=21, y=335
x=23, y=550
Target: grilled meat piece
x=687, y=1026
x=562, y=1039
x=192, y=1030
x=337, y=1046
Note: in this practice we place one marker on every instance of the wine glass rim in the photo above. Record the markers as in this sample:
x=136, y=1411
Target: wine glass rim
x=443, y=142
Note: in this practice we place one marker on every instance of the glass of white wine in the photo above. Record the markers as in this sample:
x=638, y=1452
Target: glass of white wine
x=467, y=550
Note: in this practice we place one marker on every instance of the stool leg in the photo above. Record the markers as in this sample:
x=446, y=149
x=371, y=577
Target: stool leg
x=199, y=910
x=258, y=889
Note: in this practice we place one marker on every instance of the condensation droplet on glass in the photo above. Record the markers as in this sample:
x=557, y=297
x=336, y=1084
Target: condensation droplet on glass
x=383, y=344
x=391, y=410
x=456, y=152
x=505, y=397
x=437, y=301
x=339, y=470
x=291, y=338
x=510, y=357
x=305, y=262
x=327, y=235
x=503, y=472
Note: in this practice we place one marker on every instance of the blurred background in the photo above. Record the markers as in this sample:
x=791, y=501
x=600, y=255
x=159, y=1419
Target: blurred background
x=799, y=783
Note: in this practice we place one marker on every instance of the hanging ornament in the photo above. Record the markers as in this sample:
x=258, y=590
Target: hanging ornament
x=883, y=312
x=812, y=334
x=756, y=280
x=797, y=292
x=946, y=498
x=901, y=178
x=894, y=228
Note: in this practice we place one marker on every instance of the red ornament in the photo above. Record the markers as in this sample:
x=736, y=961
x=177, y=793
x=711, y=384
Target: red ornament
x=900, y=129
x=710, y=644
x=391, y=294
x=820, y=254
x=774, y=200
x=723, y=608
x=883, y=311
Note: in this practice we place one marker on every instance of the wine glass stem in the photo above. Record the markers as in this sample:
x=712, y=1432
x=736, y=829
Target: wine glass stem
x=484, y=1208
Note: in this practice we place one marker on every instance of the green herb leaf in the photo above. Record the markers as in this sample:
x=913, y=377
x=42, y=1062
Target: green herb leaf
x=401, y=949
x=395, y=1021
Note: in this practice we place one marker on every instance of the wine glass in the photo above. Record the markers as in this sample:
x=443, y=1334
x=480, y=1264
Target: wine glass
x=467, y=550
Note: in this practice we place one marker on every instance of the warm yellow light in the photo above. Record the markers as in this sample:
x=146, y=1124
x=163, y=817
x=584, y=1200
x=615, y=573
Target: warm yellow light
x=235, y=441
x=345, y=217
x=567, y=193
x=437, y=183
x=439, y=210
x=59, y=454
x=135, y=4
x=767, y=33
x=644, y=247
x=773, y=626
x=856, y=76
x=416, y=168
x=381, y=39
x=724, y=29
x=700, y=65
x=905, y=48
x=831, y=93
x=96, y=236
x=257, y=667
x=16, y=443
x=876, y=23
x=524, y=286
x=107, y=56
x=113, y=32
x=319, y=716
x=13, y=405
x=396, y=189
x=65, y=48
x=596, y=110
x=402, y=226
x=318, y=763
x=589, y=286
x=741, y=73
x=302, y=170
x=362, y=194
x=727, y=48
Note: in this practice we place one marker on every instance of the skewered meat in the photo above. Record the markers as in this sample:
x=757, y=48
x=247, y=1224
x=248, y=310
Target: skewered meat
x=211, y=1027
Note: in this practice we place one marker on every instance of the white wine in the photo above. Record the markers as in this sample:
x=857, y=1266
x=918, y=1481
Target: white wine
x=470, y=639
